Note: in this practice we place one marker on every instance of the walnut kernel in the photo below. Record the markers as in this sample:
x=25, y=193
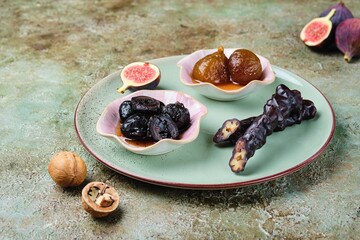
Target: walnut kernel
x=99, y=199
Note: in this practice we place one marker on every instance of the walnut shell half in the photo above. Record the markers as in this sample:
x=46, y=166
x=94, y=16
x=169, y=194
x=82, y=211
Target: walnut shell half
x=99, y=199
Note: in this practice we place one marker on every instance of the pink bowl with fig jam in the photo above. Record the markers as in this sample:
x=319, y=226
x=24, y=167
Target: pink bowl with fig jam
x=212, y=91
x=108, y=122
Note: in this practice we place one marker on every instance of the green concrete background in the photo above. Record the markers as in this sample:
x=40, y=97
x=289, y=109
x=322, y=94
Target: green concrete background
x=52, y=52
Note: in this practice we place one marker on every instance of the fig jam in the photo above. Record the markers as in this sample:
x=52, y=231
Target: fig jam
x=229, y=86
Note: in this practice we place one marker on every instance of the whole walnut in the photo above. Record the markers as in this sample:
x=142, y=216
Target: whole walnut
x=67, y=169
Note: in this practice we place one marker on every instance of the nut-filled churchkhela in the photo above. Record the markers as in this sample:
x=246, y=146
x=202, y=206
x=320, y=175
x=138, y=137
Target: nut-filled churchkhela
x=285, y=108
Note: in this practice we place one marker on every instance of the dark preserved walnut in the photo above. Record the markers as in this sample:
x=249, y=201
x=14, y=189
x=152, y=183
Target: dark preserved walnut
x=125, y=110
x=179, y=114
x=135, y=126
x=146, y=105
x=144, y=118
x=162, y=126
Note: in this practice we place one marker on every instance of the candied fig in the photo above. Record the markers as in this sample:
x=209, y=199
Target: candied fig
x=342, y=13
x=212, y=68
x=244, y=66
x=135, y=127
x=348, y=38
x=316, y=33
x=147, y=105
x=179, y=114
x=125, y=110
x=162, y=126
x=139, y=75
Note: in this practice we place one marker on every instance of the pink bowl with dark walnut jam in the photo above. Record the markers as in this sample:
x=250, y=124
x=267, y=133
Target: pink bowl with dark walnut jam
x=108, y=123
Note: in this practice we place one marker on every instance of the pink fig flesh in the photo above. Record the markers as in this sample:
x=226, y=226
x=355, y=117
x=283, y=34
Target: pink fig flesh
x=139, y=75
x=316, y=33
x=348, y=38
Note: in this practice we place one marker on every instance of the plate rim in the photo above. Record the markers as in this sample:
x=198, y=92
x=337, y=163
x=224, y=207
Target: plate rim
x=196, y=186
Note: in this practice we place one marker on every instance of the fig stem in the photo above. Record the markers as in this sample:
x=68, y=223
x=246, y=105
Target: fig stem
x=330, y=14
x=347, y=57
x=122, y=89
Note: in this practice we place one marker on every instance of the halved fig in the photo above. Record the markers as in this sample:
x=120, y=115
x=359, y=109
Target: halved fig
x=138, y=76
x=316, y=34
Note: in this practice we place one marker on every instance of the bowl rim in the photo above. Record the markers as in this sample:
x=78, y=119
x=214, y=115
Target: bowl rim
x=140, y=149
x=266, y=81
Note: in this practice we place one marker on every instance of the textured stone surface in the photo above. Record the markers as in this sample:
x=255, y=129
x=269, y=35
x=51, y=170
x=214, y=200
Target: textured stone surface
x=52, y=52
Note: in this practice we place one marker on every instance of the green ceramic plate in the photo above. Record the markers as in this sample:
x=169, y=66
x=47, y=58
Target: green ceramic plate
x=201, y=164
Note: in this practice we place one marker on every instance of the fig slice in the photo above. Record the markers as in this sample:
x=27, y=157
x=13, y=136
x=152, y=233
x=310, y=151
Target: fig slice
x=139, y=75
x=316, y=33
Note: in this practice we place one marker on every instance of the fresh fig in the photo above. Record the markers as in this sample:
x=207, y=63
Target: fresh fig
x=342, y=13
x=348, y=38
x=316, y=33
x=138, y=76
x=212, y=68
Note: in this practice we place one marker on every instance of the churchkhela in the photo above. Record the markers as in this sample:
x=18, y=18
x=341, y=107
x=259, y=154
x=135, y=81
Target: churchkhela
x=285, y=108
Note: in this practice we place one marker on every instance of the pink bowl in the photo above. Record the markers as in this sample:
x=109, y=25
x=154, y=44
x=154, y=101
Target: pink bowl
x=210, y=90
x=108, y=121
